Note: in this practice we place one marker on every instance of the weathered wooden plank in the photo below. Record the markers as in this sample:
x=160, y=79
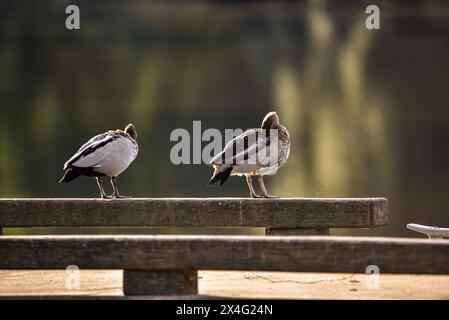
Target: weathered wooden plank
x=107, y=284
x=151, y=282
x=275, y=253
x=296, y=232
x=195, y=212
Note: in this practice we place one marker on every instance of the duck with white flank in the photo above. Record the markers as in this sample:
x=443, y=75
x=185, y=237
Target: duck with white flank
x=107, y=154
x=256, y=152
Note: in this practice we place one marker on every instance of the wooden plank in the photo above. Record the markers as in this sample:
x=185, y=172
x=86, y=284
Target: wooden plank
x=195, y=212
x=275, y=253
x=292, y=285
x=107, y=284
x=296, y=232
x=38, y=283
x=156, y=282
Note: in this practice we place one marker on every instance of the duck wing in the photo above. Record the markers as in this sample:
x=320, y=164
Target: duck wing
x=252, y=146
x=93, y=151
x=94, y=139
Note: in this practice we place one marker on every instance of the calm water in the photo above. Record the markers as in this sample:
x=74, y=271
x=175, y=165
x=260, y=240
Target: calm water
x=368, y=111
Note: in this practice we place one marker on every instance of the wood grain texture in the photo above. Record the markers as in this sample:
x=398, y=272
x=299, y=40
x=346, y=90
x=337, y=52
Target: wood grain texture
x=275, y=253
x=151, y=282
x=296, y=232
x=107, y=284
x=195, y=212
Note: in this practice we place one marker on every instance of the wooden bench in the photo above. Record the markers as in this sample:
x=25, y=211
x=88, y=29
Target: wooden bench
x=170, y=264
x=291, y=216
x=165, y=265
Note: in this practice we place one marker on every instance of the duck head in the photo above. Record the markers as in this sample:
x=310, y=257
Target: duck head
x=271, y=121
x=131, y=130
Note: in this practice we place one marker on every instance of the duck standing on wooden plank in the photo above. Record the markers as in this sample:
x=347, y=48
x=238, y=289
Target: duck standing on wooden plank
x=107, y=154
x=252, y=154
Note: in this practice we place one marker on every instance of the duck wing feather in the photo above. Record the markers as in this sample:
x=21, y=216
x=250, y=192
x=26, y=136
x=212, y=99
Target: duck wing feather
x=252, y=146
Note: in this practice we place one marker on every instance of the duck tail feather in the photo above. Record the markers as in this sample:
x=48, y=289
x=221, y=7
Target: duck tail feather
x=71, y=174
x=220, y=176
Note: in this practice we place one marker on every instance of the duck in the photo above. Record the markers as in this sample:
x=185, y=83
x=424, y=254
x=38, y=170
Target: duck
x=253, y=153
x=105, y=155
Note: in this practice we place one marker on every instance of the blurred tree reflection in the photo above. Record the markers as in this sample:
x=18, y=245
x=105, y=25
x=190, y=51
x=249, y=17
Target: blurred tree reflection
x=367, y=110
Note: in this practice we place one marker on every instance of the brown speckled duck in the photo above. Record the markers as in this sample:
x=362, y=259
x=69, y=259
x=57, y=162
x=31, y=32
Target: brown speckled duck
x=107, y=154
x=248, y=154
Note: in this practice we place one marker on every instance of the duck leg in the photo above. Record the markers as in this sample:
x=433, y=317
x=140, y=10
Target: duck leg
x=100, y=186
x=116, y=194
x=262, y=187
x=252, y=193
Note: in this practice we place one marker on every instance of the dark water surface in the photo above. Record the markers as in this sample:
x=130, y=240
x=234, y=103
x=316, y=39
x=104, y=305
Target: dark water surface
x=368, y=110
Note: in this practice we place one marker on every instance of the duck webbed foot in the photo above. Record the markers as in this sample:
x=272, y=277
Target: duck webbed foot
x=269, y=196
x=255, y=195
x=119, y=196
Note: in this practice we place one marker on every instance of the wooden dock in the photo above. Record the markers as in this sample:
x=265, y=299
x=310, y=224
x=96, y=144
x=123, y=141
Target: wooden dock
x=170, y=265
x=107, y=284
x=296, y=260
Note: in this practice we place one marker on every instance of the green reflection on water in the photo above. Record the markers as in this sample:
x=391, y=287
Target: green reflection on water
x=367, y=110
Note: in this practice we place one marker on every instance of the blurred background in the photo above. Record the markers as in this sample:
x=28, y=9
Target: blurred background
x=368, y=110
